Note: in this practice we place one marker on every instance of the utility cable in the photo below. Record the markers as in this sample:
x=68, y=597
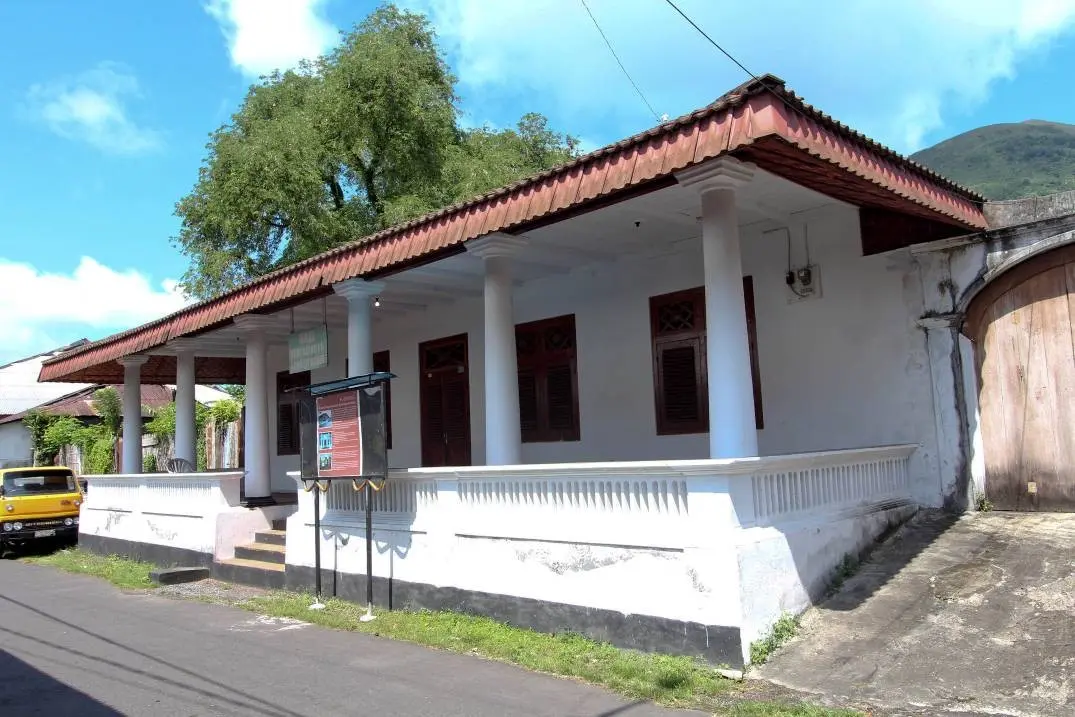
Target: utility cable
x=727, y=54
x=619, y=62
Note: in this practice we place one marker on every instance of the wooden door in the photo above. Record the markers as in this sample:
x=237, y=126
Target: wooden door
x=1026, y=368
x=445, y=402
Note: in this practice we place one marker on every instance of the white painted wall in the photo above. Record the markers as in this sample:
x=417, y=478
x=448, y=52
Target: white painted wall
x=15, y=443
x=845, y=370
x=197, y=511
x=727, y=542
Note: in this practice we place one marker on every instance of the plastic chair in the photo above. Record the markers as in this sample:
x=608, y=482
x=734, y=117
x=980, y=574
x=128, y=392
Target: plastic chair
x=179, y=465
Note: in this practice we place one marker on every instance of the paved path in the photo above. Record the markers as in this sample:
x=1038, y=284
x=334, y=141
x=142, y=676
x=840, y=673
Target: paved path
x=972, y=616
x=73, y=645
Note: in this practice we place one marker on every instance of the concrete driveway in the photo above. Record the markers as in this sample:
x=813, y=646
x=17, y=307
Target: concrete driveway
x=73, y=645
x=972, y=615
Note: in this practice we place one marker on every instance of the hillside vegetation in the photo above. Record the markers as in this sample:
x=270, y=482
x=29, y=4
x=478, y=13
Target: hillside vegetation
x=1008, y=161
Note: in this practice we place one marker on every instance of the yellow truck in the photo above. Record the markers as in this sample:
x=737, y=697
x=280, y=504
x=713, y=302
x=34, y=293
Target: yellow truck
x=38, y=504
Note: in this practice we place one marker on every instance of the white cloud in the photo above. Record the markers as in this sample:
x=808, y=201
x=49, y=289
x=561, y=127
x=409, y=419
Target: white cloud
x=41, y=310
x=91, y=107
x=895, y=70
x=267, y=35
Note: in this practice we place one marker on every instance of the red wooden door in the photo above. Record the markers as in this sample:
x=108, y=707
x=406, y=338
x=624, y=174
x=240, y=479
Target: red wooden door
x=445, y=402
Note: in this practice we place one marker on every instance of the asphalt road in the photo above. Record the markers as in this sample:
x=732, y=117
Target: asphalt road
x=74, y=645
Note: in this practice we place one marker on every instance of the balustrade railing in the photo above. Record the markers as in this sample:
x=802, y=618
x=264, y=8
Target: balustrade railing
x=670, y=502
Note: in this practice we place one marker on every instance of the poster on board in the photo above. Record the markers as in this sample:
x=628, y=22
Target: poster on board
x=339, y=435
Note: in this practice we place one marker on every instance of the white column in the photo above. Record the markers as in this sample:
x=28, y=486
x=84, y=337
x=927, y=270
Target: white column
x=360, y=295
x=503, y=435
x=732, y=428
x=258, y=481
x=186, y=440
x=132, y=414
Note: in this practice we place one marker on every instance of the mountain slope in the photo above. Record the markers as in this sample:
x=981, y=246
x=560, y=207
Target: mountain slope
x=1008, y=161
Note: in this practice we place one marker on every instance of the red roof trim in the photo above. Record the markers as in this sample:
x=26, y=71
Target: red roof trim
x=752, y=111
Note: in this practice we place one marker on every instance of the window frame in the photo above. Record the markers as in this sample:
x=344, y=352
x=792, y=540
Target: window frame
x=662, y=341
x=539, y=363
x=286, y=380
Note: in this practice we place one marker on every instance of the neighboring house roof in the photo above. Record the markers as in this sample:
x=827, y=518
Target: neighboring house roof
x=80, y=403
x=760, y=122
x=207, y=394
x=19, y=387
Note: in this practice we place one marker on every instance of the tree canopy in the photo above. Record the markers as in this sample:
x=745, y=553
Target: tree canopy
x=363, y=138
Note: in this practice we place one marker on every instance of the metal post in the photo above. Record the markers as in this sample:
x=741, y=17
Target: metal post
x=318, y=605
x=369, y=554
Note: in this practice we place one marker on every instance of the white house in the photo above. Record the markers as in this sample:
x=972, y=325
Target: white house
x=21, y=391
x=655, y=395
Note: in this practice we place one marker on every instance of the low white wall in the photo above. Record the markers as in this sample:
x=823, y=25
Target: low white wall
x=718, y=542
x=196, y=512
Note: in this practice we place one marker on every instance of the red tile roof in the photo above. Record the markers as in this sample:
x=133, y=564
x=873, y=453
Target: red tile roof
x=80, y=403
x=760, y=121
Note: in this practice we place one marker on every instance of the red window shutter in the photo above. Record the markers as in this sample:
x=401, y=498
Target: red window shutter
x=682, y=401
x=561, y=401
x=548, y=380
x=286, y=429
x=287, y=411
x=529, y=417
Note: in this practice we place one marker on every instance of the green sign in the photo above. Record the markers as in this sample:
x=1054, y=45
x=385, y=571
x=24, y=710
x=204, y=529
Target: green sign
x=308, y=349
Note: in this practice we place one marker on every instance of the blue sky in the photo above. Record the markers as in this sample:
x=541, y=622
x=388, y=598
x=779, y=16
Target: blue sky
x=107, y=106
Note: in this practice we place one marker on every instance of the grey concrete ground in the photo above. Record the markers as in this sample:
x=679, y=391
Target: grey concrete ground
x=72, y=645
x=975, y=615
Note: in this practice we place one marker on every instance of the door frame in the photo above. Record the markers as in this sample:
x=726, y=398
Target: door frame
x=423, y=390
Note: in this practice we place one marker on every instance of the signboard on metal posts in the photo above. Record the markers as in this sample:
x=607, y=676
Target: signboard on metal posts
x=307, y=350
x=343, y=436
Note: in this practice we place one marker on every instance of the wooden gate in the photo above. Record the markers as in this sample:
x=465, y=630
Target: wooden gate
x=1022, y=326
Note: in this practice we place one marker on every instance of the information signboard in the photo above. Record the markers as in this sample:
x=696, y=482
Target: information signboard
x=339, y=435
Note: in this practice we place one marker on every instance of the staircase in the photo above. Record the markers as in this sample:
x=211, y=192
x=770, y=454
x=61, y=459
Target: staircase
x=260, y=563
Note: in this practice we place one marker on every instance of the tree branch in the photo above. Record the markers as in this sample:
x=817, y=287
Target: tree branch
x=369, y=177
x=335, y=189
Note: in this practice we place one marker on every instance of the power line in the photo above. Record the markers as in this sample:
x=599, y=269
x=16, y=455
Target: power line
x=760, y=81
x=618, y=62
x=712, y=41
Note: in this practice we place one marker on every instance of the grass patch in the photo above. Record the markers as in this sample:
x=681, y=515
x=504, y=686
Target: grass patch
x=121, y=572
x=665, y=679
x=662, y=678
x=783, y=630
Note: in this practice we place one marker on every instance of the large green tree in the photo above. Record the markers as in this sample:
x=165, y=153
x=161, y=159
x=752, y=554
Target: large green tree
x=358, y=140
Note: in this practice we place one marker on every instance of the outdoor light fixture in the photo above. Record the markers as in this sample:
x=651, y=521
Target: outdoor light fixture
x=377, y=301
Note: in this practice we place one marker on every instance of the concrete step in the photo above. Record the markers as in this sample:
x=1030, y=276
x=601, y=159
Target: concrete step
x=264, y=552
x=271, y=537
x=250, y=572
